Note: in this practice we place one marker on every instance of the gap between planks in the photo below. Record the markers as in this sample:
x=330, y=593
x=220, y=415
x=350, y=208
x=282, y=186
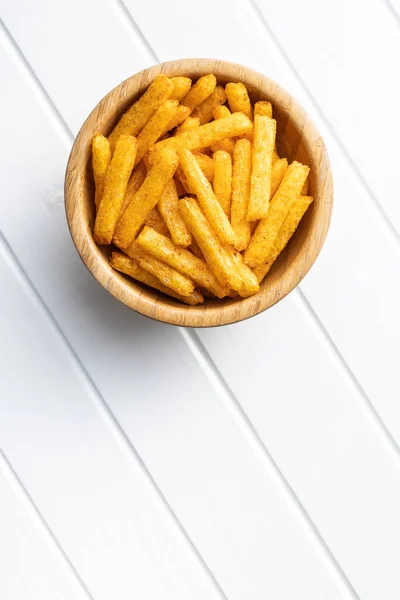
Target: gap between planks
x=255, y=442
x=393, y=9
x=110, y=420
x=390, y=228
x=40, y=522
x=189, y=336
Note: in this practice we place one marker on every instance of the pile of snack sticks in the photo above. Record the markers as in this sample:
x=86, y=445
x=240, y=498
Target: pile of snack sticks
x=190, y=188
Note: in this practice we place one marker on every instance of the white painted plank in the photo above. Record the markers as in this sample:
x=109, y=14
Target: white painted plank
x=30, y=567
x=79, y=60
x=245, y=526
x=351, y=78
x=340, y=287
x=317, y=431
x=91, y=490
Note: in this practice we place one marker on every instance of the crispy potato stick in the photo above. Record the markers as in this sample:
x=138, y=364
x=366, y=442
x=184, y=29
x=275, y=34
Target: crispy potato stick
x=288, y=228
x=134, y=183
x=222, y=182
x=204, y=111
x=168, y=207
x=140, y=112
x=219, y=112
x=182, y=113
x=206, y=197
x=238, y=99
x=263, y=108
x=249, y=285
x=227, y=145
x=306, y=188
x=187, y=125
x=182, y=260
x=206, y=165
x=278, y=170
x=264, y=236
x=166, y=274
x=181, y=87
x=207, y=134
x=101, y=156
x=217, y=256
x=127, y=265
x=115, y=185
x=241, y=193
x=155, y=220
x=260, y=184
x=145, y=198
x=203, y=88
x=155, y=127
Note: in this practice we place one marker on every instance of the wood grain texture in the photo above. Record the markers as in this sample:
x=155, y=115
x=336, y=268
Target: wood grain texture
x=297, y=139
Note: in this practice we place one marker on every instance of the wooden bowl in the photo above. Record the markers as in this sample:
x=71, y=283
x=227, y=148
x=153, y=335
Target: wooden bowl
x=297, y=139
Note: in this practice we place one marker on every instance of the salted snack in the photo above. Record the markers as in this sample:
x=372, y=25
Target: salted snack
x=191, y=191
x=101, y=157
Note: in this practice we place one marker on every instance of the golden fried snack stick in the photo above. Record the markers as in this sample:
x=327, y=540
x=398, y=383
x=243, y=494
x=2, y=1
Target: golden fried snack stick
x=249, y=285
x=206, y=197
x=207, y=134
x=101, y=156
x=222, y=181
x=217, y=256
x=205, y=164
x=199, y=91
x=240, y=193
x=154, y=127
x=140, y=112
x=182, y=260
x=260, y=183
x=219, y=112
x=263, y=108
x=181, y=87
x=306, y=188
x=264, y=236
x=145, y=198
x=204, y=111
x=135, y=181
x=286, y=231
x=155, y=220
x=182, y=113
x=278, y=170
x=238, y=99
x=115, y=186
x=188, y=124
x=127, y=265
x=227, y=145
x=168, y=207
x=167, y=275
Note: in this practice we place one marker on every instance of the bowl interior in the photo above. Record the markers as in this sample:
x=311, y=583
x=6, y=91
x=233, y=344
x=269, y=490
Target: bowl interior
x=297, y=139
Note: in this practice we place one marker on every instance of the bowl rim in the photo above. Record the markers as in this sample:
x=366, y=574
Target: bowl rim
x=145, y=300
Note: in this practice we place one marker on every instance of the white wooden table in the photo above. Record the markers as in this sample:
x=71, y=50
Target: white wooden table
x=141, y=461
